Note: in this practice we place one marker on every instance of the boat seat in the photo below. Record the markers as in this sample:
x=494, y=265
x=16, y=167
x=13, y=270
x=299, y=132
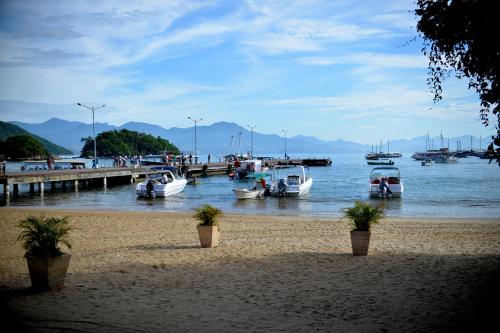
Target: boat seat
x=376, y=181
x=393, y=180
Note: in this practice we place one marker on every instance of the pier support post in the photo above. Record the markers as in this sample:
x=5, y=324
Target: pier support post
x=104, y=182
x=16, y=189
x=6, y=190
x=132, y=180
x=63, y=186
x=32, y=188
x=40, y=187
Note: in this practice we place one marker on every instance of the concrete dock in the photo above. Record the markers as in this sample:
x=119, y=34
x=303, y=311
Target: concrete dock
x=37, y=180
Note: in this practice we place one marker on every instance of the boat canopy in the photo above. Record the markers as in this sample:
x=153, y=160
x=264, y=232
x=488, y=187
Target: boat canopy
x=385, y=172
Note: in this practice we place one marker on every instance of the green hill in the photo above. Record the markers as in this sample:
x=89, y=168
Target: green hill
x=126, y=142
x=9, y=130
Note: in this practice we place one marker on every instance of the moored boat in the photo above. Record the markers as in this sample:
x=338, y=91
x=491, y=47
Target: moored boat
x=244, y=193
x=161, y=185
x=290, y=181
x=391, y=176
x=380, y=162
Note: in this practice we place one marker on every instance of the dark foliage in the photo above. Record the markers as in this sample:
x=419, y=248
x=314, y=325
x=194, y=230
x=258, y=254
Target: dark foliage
x=461, y=36
x=41, y=235
x=22, y=146
x=126, y=142
x=8, y=130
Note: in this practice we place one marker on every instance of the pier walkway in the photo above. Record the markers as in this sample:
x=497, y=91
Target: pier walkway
x=106, y=176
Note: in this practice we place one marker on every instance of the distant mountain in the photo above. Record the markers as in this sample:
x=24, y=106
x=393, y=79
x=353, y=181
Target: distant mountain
x=8, y=130
x=65, y=133
x=224, y=137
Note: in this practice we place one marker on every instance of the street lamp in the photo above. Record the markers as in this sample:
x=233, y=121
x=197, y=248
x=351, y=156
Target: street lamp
x=251, y=139
x=93, y=108
x=285, y=131
x=239, y=143
x=195, y=148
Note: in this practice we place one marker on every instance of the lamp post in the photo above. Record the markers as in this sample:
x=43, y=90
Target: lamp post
x=93, y=108
x=239, y=143
x=195, y=148
x=285, y=131
x=251, y=139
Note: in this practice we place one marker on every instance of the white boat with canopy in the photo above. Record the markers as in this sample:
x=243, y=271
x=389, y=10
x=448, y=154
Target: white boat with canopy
x=290, y=181
x=391, y=177
x=161, y=185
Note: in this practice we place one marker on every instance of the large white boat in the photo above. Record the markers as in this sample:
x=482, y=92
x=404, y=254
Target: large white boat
x=393, y=178
x=290, y=181
x=430, y=154
x=161, y=185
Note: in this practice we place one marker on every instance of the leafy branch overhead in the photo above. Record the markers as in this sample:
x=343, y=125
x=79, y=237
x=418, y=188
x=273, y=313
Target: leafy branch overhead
x=461, y=36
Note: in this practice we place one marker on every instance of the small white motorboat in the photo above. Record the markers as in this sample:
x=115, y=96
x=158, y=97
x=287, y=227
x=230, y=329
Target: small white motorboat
x=244, y=193
x=391, y=176
x=427, y=163
x=290, y=181
x=161, y=185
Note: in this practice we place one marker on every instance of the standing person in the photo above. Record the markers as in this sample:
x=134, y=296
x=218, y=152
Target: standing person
x=490, y=152
x=384, y=187
x=208, y=158
x=49, y=166
x=190, y=158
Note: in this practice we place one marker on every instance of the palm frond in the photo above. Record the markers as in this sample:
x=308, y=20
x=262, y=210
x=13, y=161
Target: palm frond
x=41, y=236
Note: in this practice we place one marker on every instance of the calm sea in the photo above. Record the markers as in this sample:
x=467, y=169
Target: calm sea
x=468, y=189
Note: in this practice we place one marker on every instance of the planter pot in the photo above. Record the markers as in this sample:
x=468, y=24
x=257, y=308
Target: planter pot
x=360, y=241
x=209, y=235
x=48, y=273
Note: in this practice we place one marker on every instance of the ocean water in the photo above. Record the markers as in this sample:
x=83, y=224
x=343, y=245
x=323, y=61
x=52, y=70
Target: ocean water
x=467, y=189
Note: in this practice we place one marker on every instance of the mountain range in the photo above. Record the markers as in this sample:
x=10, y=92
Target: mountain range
x=224, y=137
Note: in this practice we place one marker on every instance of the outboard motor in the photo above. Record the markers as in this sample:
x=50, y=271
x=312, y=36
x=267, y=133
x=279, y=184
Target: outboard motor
x=149, y=188
x=281, y=187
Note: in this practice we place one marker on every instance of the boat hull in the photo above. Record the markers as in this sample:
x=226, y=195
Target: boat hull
x=396, y=189
x=293, y=190
x=162, y=190
x=242, y=194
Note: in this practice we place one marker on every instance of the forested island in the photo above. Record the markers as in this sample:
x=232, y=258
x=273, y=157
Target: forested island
x=127, y=143
x=17, y=143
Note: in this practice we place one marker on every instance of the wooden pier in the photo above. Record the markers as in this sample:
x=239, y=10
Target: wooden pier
x=108, y=176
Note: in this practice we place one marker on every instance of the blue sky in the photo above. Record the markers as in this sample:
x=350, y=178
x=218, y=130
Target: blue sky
x=332, y=69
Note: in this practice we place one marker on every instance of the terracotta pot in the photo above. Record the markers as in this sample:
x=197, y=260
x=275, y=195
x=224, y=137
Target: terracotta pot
x=360, y=241
x=48, y=273
x=209, y=235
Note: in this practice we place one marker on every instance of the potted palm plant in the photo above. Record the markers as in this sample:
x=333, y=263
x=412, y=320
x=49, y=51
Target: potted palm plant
x=362, y=216
x=208, y=228
x=41, y=237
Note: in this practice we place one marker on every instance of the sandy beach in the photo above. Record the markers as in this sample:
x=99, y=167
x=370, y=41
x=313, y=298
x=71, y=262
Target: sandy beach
x=145, y=272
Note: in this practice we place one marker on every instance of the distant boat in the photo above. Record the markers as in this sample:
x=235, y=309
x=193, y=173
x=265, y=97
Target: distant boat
x=446, y=159
x=380, y=154
x=380, y=162
x=427, y=163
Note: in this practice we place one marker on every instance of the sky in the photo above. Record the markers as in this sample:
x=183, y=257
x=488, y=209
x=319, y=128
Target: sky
x=350, y=70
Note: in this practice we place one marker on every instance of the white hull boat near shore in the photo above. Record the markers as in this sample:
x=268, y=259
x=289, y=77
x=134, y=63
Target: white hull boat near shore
x=160, y=186
x=294, y=183
x=248, y=194
x=394, y=182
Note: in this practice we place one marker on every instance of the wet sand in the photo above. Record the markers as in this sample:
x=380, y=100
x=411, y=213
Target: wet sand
x=145, y=272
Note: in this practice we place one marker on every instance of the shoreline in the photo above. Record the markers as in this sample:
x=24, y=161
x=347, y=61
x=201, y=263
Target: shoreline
x=146, y=272
x=235, y=214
